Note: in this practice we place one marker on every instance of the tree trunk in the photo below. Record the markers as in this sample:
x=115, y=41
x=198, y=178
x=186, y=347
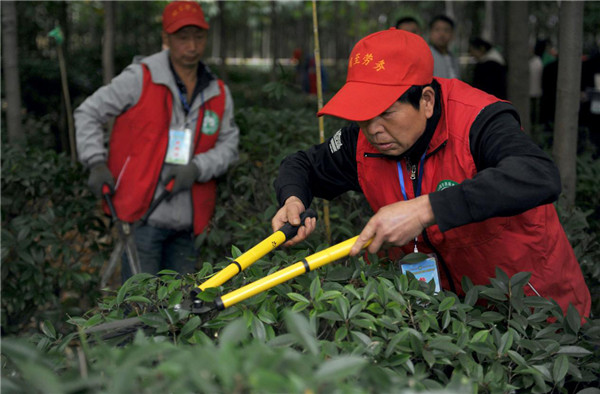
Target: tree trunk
x=108, y=44
x=273, y=41
x=10, y=60
x=487, y=32
x=517, y=60
x=223, y=41
x=567, y=94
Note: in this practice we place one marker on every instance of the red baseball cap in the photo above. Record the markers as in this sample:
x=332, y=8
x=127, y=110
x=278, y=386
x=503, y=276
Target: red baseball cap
x=382, y=66
x=178, y=14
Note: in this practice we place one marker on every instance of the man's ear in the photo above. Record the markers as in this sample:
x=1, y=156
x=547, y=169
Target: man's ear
x=165, y=40
x=428, y=101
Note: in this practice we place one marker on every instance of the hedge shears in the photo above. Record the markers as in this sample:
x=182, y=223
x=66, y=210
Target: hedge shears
x=126, y=240
x=307, y=264
x=195, y=305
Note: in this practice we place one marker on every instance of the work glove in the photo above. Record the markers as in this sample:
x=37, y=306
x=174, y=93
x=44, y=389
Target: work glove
x=184, y=176
x=100, y=175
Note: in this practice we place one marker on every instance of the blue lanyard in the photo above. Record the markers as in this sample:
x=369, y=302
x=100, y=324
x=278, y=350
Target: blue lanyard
x=419, y=178
x=419, y=181
x=186, y=106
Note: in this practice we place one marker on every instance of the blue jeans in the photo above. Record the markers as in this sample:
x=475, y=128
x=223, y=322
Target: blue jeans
x=160, y=249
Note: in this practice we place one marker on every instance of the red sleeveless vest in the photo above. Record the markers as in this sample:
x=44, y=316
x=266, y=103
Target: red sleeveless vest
x=533, y=241
x=138, y=146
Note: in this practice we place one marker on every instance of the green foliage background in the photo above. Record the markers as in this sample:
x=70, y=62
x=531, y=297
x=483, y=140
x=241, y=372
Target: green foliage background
x=347, y=327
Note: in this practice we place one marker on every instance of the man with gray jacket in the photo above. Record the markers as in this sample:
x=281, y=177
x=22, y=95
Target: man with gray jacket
x=174, y=122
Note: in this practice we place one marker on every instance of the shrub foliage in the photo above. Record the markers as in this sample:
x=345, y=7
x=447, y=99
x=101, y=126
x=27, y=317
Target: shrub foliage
x=346, y=327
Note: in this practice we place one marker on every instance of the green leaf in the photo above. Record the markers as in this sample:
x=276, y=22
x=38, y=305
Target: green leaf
x=520, y=279
x=446, y=304
x=341, y=334
x=494, y=294
x=429, y=358
x=361, y=338
x=339, y=368
x=414, y=258
x=375, y=308
x=235, y=252
x=331, y=315
x=560, y=368
x=418, y=294
x=506, y=342
x=481, y=336
x=162, y=293
x=298, y=297
x=233, y=333
x=121, y=293
x=342, y=305
x=445, y=345
x=190, y=326
x=315, y=288
x=258, y=330
x=92, y=321
x=573, y=319
x=574, y=351
x=299, y=327
x=517, y=358
x=175, y=298
x=48, y=329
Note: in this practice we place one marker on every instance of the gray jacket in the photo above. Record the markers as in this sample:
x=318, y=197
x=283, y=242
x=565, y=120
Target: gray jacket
x=444, y=66
x=122, y=93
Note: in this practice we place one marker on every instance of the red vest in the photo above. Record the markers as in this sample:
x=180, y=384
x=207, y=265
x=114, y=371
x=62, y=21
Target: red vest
x=533, y=241
x=138, y=146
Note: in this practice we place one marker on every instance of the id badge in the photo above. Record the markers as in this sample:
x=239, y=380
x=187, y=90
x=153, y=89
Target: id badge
x=424, y=270
x=180, y=142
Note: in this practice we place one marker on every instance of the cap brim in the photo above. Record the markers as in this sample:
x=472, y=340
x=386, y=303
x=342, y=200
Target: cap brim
x=186, y=22
x=360, y=101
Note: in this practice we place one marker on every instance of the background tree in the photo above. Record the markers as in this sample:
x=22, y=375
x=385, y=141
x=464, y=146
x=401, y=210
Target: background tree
x=108, y=42
x=517, y=60
x=568, y=95
x=10, y=60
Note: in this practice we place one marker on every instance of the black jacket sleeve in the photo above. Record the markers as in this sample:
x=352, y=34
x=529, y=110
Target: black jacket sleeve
x=513, y=173
x=325, y=170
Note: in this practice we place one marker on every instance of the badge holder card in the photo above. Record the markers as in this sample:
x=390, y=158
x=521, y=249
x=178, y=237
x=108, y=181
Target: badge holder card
x=423, y=267
x=178, y=151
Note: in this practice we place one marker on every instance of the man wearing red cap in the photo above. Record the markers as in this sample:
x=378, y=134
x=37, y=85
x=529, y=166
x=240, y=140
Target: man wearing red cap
x=174, y=121
x=447, y=170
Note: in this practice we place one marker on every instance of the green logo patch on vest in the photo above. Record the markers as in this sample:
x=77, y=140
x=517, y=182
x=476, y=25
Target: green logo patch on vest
x=446, y=183
x=210, y=123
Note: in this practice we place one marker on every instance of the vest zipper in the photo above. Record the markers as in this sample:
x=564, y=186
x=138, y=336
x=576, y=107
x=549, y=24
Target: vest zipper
x=413, y=172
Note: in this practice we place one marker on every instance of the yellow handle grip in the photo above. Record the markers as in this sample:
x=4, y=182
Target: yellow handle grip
x=310, y=263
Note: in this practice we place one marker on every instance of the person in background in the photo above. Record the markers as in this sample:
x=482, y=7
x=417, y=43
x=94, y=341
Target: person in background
x=441, y=33
x=445, y=167
x=410, y=24
x=536, y=67
x=489, y=74
x=174, y=122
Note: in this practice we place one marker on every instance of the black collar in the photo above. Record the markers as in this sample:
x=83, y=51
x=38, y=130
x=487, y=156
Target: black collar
x=203, y=79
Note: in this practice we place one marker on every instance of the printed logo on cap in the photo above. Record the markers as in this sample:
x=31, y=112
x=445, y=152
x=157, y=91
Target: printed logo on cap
x=182, y=8
x=367, y=59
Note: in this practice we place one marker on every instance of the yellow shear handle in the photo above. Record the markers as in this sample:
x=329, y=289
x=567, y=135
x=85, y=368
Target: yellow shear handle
x=245, y=260
x=251, y=256
x=311, y=262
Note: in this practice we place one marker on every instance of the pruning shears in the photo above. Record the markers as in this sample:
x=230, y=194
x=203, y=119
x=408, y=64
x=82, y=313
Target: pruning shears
x=126, y=240
x=307, y=264
x=195, y=305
